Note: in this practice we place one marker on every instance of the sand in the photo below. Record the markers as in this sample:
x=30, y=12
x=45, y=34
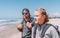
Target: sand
x=9, y=30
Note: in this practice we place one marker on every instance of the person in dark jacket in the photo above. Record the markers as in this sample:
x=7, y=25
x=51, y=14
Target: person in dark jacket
x=25, y=26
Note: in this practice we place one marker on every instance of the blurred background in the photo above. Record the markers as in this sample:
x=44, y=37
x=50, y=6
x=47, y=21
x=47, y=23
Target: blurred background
x=10, y=14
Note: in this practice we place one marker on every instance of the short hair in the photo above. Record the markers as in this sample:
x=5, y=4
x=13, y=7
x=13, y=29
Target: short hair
x=25, y=10
x=43, y=12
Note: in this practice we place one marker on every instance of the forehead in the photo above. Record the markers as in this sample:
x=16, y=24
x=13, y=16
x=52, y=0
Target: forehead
x=24, y=11
x=37, y=13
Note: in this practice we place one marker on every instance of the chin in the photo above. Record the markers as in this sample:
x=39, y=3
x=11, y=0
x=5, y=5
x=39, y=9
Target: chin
x=36, y=22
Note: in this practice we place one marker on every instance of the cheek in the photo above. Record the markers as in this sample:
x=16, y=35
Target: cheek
x=27, y=15
x=36, y=18
x=24, y=16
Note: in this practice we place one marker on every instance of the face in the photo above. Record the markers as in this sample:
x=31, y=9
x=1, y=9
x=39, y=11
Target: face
x=38, y=17
x=25, y=15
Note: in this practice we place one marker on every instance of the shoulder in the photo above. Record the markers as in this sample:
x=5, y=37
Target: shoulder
x=51, y=28
x=51, y=31
x=22, y=21
x=31, y=18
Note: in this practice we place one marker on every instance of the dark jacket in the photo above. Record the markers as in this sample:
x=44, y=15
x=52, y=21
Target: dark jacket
x=26, y=32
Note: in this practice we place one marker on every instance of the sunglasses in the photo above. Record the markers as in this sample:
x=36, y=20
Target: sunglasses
x=24, y=13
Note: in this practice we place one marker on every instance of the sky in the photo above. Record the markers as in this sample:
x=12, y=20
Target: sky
x=11, y=9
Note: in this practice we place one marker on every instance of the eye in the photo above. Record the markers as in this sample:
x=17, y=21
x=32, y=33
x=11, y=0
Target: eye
x=36, y=15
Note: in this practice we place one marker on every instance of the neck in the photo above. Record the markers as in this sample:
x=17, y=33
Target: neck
x=27, y=19
x=41, y=23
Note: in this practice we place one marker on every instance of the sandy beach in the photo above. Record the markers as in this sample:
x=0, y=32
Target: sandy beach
x=9, y=30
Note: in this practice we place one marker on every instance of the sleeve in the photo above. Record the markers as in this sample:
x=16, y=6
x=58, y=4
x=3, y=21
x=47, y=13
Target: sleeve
x=33, y=23
x=22, y=20
x=34, y=31
x=54, y=33
x=20, y=29
x=51, y=33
